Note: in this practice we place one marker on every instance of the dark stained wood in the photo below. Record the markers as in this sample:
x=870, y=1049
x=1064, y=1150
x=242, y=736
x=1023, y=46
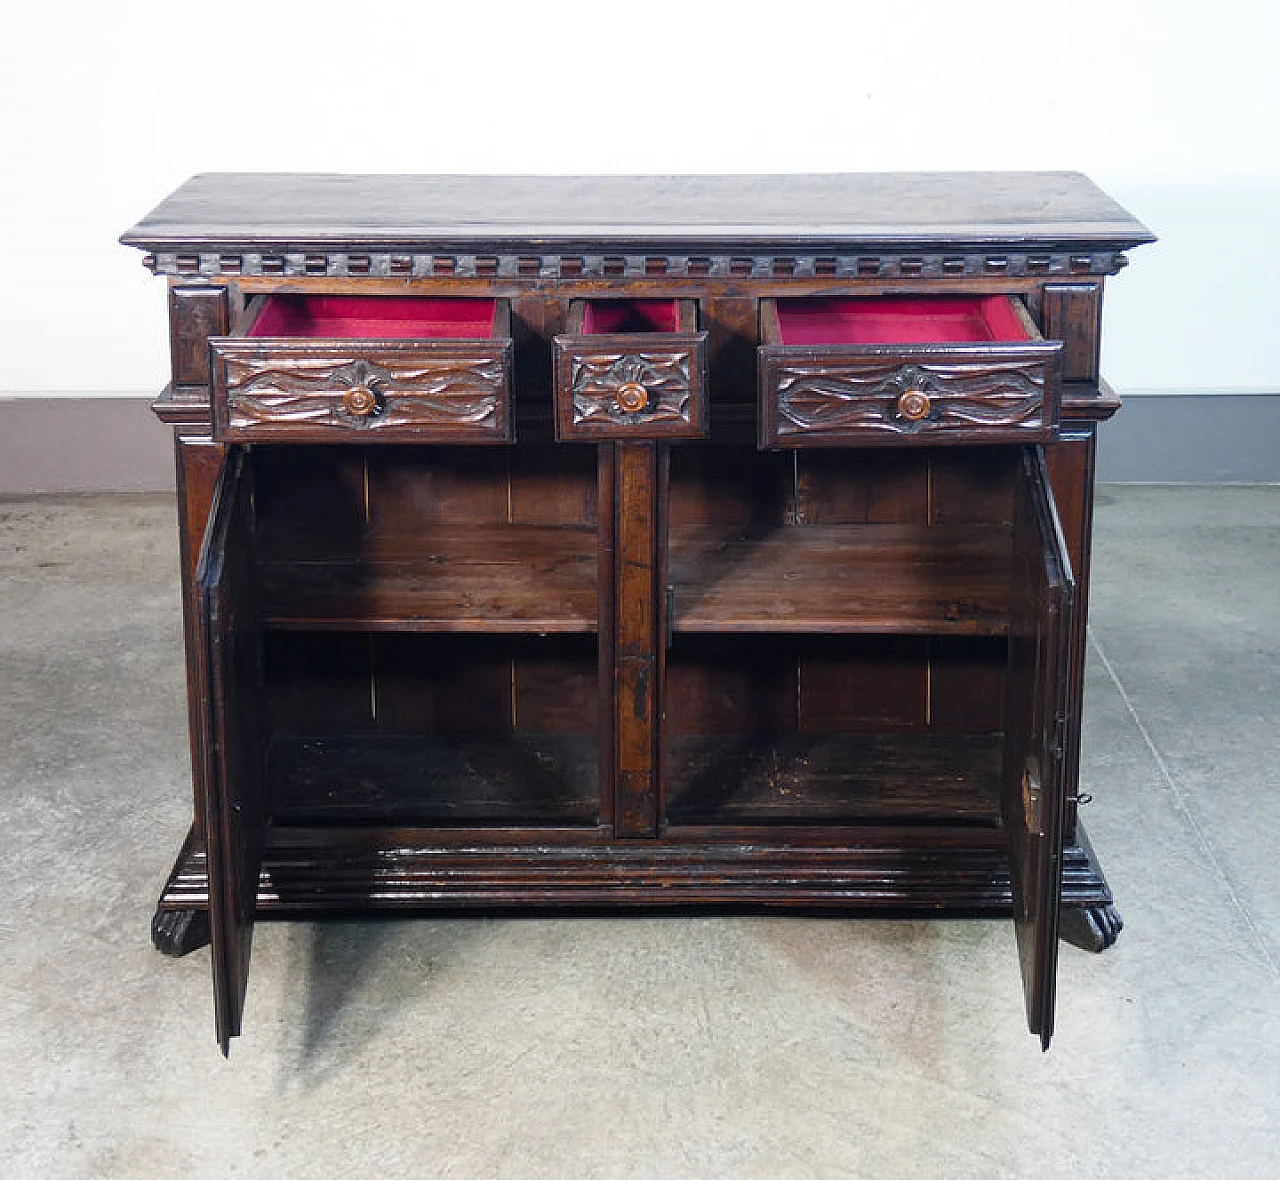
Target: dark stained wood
x=905, y=579
x=718, y=684
x=920, y=868
x=972, y=485
x=1071, y=465
x=434, y=779
x=553, y=485
x=1090, y=927
x=456, y=685
x=864, y=683
x=864, y=395
x=551, y=674
x=285, y=211
x=1073, y=314
x=847, y=779
x=199, y=462
x=556, y=690
x=179, y=932
x=195, y=314
x=966, y=684
x=722, y=485
x=607, y=604
x=515, y=578
x=639, y=626
x=304, y=389
x=407, y=487
x=1032, y=793
x=311, y=489
x=233, y=747
x=861, y=487
x=596, y=376
x=319, y=683
x=732, y=324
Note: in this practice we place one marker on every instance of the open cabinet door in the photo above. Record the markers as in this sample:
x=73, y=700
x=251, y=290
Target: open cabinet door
x=1033, y=789
x=231, y=649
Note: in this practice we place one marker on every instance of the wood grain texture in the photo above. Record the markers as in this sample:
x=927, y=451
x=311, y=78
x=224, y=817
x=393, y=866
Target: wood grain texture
x=1071, y=463
x=435, y=780
x=849, y=870
x=288, y=212
x=1037, y=685
x=639, y=624
x=199, y=462
x=542, y=674
x=291, y=390
x=195, y=314
x=1072, y=313
x=866, y=778
x=523, y=229
x=904, y=579
x=970, y=395
x=511, y=578
x=594, y=374
x=231, y=669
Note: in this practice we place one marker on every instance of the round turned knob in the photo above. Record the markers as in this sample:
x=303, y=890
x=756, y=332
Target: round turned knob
x=360, y=400
x=914, y=405
x=632, y=397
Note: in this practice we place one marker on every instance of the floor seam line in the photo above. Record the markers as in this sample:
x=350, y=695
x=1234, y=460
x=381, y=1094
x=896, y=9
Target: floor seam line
x=1183, y=806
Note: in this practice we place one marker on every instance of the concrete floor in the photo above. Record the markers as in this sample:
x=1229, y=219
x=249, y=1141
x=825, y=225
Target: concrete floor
x=717, y=1047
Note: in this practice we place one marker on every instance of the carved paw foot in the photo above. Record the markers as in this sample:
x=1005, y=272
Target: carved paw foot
x=179, y=932
x=1091, y=928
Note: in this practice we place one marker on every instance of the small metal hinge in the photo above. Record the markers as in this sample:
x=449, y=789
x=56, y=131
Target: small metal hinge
x=1058, y=747
x=1032, y=799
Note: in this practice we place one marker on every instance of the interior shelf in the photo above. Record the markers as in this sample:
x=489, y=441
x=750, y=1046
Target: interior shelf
x=444, y=779
x=443, y=577
x=902, y=778
x=849, y=578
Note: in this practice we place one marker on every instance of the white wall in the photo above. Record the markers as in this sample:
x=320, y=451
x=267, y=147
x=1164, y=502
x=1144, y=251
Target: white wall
x=1172, y=107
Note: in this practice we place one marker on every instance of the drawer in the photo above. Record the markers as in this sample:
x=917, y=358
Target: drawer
x=357, y=368
x=929, y=369
x=631, y=369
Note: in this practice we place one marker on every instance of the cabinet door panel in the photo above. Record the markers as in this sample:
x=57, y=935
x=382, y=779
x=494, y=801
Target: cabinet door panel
x=231, y=648
x=1033, y=785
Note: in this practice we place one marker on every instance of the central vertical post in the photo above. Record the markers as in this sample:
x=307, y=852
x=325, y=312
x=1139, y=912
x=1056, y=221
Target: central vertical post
x=639, y=633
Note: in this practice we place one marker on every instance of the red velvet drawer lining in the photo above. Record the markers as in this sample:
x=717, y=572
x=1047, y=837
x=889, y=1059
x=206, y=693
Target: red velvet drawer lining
x=603, y=316
x=375, y=317
x=924, y=319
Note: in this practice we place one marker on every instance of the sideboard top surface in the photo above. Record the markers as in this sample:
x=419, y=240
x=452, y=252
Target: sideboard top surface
x=890, y=208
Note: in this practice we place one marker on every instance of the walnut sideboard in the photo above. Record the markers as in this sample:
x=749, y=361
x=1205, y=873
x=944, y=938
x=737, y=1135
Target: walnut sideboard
x=635, y=542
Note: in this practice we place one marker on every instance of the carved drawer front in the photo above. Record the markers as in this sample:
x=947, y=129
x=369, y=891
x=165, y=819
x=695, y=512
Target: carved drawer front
x=631, y=369
x=352, y=368
x=895, y=371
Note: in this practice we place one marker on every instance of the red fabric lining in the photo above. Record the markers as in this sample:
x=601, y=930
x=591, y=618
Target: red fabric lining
x=603, y=316
x=923, y=319
x=350, y=317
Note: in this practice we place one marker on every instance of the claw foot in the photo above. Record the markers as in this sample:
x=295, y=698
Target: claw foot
x=1091, y=928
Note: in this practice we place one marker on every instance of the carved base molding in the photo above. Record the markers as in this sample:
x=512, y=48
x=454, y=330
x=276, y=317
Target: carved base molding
x=366, y=873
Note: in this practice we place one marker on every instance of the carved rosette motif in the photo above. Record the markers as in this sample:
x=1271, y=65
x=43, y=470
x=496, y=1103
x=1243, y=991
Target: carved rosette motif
x=600, y=383
x=419, y=390
x=896, y=399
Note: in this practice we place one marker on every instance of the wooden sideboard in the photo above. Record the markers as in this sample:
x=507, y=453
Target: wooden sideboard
x=635, y=542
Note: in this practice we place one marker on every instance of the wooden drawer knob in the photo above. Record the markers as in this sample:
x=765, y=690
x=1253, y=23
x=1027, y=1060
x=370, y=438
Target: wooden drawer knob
x=632, y=397
x=360, y=401
x=914, y=404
